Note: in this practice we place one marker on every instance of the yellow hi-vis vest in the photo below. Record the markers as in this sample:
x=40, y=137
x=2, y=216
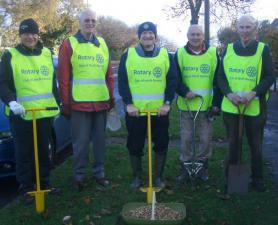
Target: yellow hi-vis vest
x=147, y=78
x=197, y=73
x=243, y=74
x=89, y=67
x=33, y=79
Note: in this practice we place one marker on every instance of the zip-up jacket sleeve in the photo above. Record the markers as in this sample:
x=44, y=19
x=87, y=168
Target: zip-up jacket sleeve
x=64, y=75
x=222, y=79
x=217, y=94
x=267, y=77
x=7, y=88
x=110, y=84
x=123, y=86
x=171, y=80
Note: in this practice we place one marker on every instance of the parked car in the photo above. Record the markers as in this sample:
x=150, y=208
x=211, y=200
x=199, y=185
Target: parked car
x=58, y=141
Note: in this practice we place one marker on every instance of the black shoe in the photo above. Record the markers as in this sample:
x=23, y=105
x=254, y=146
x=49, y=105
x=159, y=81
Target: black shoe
x=53, y=190
x=136, y=183
x=102, y=181
x=184, y=174
x=259, y=186
x=28, y=199
x=158, y=182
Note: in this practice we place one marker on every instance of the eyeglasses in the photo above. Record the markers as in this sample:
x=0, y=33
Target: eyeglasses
x=90, y=20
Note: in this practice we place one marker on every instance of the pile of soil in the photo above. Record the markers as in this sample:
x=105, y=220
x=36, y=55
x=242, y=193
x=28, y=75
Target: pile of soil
x=162, y=212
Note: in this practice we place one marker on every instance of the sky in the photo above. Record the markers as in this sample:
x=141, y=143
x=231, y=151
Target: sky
x=136, y=12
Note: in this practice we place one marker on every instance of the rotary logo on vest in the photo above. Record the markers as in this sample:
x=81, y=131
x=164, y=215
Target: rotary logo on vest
x=204, y=68
x=99, y=58
x=251, y=71
x=157, y=72
x=43, y=71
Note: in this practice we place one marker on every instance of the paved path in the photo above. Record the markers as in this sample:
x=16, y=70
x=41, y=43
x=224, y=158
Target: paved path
x=270, y=149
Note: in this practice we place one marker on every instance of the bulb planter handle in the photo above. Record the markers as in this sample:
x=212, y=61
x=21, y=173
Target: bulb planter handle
x=150, y=189
x=38, y=193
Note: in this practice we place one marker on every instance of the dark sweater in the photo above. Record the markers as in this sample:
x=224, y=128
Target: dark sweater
x=183, y=89
x=267, y=76
x=171, y=77
x=7, y=86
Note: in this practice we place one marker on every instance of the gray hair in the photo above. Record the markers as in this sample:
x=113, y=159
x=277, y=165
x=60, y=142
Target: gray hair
x=199, y=27
x=84, y=13
x=248, y=18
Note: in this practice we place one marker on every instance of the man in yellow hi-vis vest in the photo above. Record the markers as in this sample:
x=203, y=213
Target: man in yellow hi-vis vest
x=197, y=65
x=27, y=81
x=245, y=76
x=147, y=80
x=86, y=90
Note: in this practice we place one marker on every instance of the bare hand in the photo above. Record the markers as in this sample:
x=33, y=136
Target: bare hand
x=190, y=95
x=234, y=98
x=132, y=110
x=163, y=110
x=248, y=97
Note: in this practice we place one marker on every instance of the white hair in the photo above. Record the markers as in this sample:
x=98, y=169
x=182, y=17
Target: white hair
x=248, y=18
x=199, y=27
x=85, y=12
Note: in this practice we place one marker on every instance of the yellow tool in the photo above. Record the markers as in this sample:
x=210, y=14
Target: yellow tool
x=150, y=189
x=39, y=194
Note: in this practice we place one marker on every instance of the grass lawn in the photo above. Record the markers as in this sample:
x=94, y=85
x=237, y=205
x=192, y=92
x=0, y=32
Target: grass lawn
x=206, y=204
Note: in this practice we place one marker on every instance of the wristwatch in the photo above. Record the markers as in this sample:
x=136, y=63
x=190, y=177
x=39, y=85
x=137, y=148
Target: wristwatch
x=167, y=103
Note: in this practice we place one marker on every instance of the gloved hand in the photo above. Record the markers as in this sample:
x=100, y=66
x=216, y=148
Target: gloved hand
x=16, y=108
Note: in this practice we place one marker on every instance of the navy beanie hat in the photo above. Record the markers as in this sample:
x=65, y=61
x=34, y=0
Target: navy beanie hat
x=28, y=26
x=147, y=26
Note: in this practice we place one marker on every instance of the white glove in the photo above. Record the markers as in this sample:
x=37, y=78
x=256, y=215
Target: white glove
x=16, y=108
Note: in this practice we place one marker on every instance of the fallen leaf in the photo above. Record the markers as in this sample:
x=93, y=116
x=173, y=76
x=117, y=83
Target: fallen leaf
x=67, y=220
x=97, y=216
x=105, y=212
x=225, y=197
x=26, y=214
x=169, y=192
x=114, y=186
x=88, y=200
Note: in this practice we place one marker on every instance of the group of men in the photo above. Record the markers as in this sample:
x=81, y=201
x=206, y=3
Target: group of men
x=148, y=79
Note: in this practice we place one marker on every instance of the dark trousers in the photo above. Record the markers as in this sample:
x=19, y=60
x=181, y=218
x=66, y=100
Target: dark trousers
x=22, y=132
x=254, y=127
x=137, y=133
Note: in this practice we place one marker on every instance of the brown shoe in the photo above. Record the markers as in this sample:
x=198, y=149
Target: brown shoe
x=102, y=181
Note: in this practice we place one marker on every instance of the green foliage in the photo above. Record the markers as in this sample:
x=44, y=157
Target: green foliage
x=269, y=35
x=56, y=19
x=117, y=34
